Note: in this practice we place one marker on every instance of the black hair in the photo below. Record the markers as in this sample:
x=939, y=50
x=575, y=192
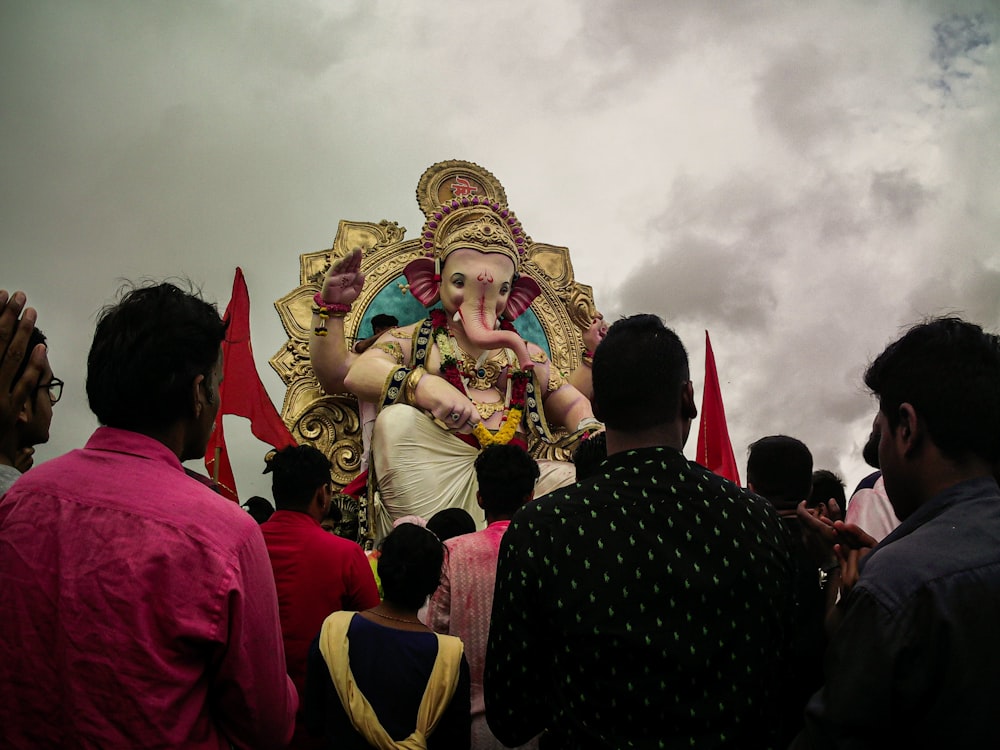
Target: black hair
x=297, y=472
x=383, y=320
x=638, y=372
x=259, y=508
x=827, y=484
x=146, y=353
x=451, y=522
x=507, y=475
x=410, y=565
x=780, y=469
x=589, y=455
x=333, y=514
x=949, y=371
x=870, y=451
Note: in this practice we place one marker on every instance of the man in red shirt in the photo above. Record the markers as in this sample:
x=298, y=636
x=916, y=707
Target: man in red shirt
x=316, y=573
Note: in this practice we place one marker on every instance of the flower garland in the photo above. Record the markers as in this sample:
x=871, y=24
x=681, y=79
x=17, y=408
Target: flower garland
x=517, y=385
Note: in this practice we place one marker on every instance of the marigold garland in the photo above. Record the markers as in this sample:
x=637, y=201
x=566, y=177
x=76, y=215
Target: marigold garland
x=449, y=370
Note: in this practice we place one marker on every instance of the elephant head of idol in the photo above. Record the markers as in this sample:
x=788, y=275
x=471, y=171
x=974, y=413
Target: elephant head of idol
x=474, y=249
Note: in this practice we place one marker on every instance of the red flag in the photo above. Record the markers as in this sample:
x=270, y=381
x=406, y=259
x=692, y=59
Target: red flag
x=715, y=451
x=241, y=392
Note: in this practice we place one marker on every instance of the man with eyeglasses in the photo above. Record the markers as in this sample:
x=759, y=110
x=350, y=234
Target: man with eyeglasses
x=31, y=426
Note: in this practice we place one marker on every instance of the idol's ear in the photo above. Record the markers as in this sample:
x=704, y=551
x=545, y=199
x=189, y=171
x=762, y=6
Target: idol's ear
x=424, y=287
x=523, y=291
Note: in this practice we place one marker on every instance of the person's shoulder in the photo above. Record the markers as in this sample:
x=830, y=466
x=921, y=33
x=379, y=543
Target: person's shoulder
x=474, y=540
x=958, y=541
x=555, y=508
x=335, y=547
x=204, y=514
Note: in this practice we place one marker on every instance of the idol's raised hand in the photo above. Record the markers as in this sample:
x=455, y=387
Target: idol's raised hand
x=344, y=280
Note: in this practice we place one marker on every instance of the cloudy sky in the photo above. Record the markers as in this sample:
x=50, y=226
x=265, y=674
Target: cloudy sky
x=802, y=179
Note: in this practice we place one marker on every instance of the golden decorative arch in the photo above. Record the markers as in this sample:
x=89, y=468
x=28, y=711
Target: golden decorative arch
x=330, y=421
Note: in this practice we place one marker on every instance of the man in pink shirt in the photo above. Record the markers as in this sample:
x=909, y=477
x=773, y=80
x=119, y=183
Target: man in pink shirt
x=316, y=573
x=137, y=607
x=463, y=602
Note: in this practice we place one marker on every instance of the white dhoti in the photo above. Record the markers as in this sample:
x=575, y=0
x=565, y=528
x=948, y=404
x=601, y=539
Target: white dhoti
x=423, y=469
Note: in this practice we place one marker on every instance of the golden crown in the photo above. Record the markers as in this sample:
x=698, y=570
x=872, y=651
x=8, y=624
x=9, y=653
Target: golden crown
x=475, y=223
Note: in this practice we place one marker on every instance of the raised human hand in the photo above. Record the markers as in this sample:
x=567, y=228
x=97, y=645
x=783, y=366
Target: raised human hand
x=595, y=334
x=819, y=533
x=344, y=280
x=853, y=536
x=16, y=324
x=853, y=544
x=451, y=409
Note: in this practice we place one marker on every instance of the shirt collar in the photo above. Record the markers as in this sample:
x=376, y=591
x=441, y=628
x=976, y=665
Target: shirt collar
x=115, y=440
x=941, y=502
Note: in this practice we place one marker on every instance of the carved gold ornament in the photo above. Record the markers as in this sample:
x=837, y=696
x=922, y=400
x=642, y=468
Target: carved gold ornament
x=563, y=310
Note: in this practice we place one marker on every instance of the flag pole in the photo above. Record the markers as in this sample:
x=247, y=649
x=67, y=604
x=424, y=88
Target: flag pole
x=215, y=463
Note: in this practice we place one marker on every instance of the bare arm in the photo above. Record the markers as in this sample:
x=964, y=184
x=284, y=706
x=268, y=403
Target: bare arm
x=582, y=379
x=565, y=405
x=568, y=407
x=331, y=358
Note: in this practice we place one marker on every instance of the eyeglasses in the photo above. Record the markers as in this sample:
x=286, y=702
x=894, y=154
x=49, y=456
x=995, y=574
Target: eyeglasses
x=54, y=387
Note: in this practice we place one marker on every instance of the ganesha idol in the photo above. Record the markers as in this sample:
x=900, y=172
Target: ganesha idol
x=462, y=378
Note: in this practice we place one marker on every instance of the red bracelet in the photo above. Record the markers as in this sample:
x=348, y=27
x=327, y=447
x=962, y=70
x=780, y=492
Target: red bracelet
x=331, y=307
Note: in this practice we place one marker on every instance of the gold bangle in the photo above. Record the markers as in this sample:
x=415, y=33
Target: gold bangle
x=410, y=386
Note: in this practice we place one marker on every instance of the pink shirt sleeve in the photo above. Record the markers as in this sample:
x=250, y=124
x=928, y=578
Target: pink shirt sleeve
x=256, y=700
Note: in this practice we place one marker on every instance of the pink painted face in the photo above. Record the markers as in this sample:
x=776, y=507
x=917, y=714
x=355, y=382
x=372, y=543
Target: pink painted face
x=596, y=333
x=478, y=283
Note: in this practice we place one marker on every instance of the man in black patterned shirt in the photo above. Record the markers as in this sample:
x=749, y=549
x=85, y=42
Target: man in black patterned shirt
x=647, y=606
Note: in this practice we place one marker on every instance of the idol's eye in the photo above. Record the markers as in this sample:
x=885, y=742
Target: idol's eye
x=505, y=288
x=458, y=280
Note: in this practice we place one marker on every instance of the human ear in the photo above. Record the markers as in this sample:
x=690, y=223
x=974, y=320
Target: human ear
x=198, y=397
x=909, y=431
x=688, y=409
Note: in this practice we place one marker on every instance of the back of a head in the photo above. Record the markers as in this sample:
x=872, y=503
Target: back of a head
x=451, y=522
x=949, y=371
x=780, y=469
x=296, y=473
x=382, y=321
x=259, y=508
x=827, y=484
x=146, y=353
x=589, y=455
x=638, y=372
x=507, y=476
x=409, y=565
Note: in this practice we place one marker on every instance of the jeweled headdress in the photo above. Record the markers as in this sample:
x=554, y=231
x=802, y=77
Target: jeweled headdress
x=475, y=223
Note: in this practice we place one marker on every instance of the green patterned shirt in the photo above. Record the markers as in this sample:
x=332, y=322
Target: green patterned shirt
x=646, y=607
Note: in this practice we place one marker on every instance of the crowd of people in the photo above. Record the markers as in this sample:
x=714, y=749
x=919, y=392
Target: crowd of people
x=649, y=604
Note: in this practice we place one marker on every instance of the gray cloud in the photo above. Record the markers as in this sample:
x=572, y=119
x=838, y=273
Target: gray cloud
x=793, y=177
